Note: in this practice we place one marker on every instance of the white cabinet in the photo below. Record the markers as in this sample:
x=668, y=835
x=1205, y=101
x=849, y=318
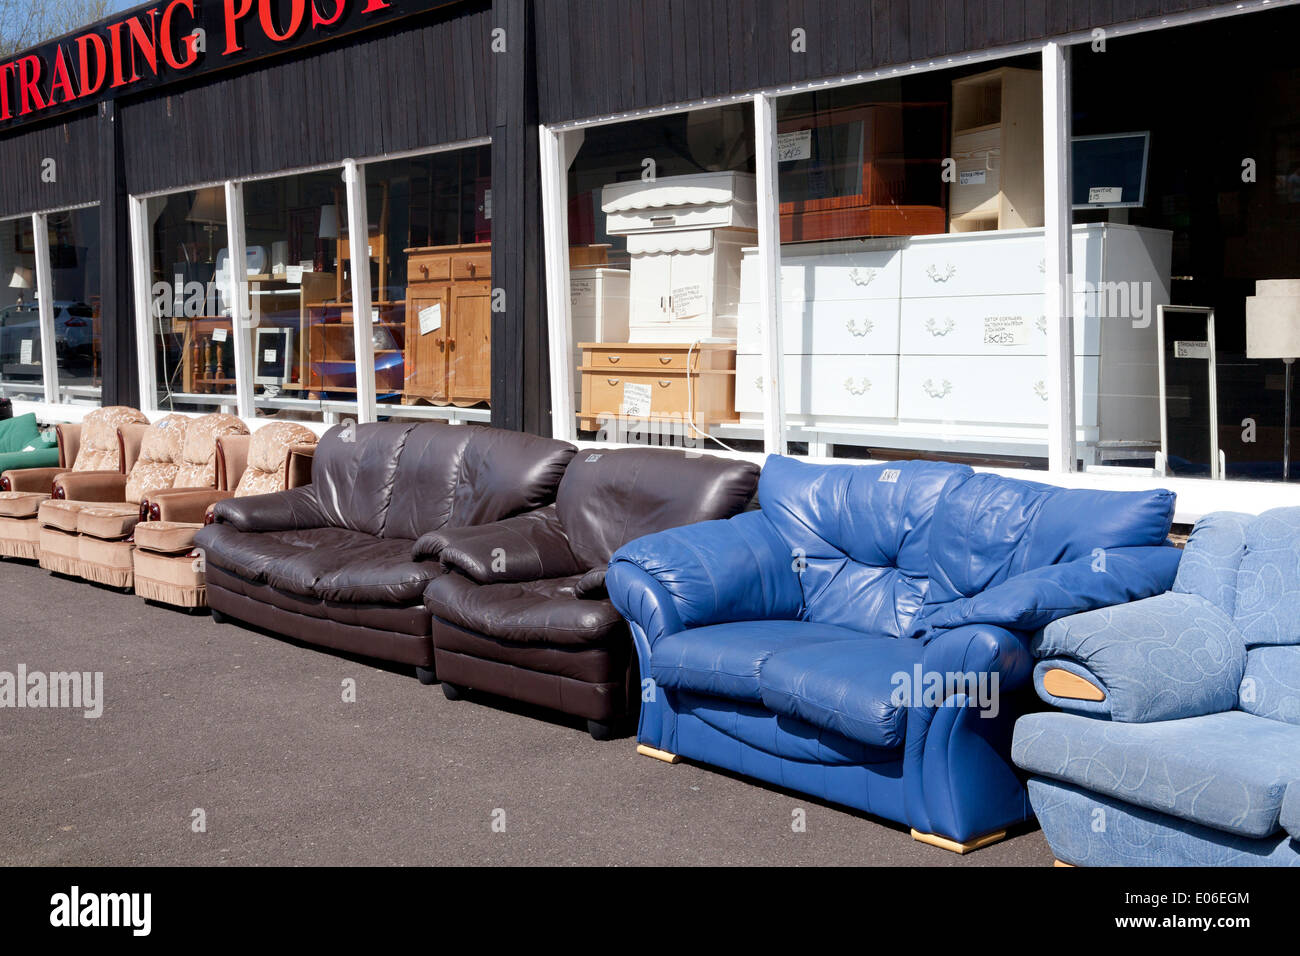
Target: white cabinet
x=685, y=237
x=953, y=327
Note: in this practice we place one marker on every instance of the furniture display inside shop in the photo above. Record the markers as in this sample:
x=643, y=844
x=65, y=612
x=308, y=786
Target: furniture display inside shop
x=538, y=627
x=817, y=672
x=334, y=562
x=870, y=170
x=448, y=325
x=167, y=567
x=93, y=447
x=87, y=526
x=1177, y=718
x=887, y=339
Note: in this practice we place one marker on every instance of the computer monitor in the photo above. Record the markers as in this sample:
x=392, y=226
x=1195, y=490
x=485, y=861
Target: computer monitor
x=1109, y=171
x=273, y=358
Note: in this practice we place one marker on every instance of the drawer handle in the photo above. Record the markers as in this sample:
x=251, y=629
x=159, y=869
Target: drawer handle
x=858, y=331
x=1042, y=266
x=862, y=277
x=758, y=383
x=614, y=359
x=612, y=381
x=664, y=383
x=941, y=275
x=1040, y=389
x=861, y=387
x=934, y=328
x=1040, y=323
x=665, y=360
x=943, y=390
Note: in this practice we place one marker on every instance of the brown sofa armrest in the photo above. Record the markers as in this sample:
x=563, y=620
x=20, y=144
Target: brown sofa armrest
x=186, y=505
x=527, y=547
x=297, y=467
x=232, y=460
x=32, y=479
x=69, y=444
x=90, y=486
x=129, y=439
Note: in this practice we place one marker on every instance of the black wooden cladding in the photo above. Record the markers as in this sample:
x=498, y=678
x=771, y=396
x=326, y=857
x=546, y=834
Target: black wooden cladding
x=72, y=142
x=419, y=83
x=597, y=57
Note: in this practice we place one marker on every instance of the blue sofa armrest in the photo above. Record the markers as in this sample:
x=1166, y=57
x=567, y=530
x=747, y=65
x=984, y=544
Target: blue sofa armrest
x=958, y=777
x=705, y=573
x=1163, y=658
x=1290, y=817
x=1036, y=598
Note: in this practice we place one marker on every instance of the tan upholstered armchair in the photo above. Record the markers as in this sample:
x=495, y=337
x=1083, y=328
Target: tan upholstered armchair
x=276, y=457
x=95, y=446
x=87, y=528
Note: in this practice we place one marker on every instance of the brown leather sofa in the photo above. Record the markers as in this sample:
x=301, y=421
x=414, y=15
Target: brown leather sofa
x=93, y=446
x=525, y=614
x=168, y=569
x=336, y=562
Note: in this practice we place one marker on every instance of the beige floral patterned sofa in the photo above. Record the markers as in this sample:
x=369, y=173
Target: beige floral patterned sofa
x=94, y=446
x=87, y=528
x=276, y=457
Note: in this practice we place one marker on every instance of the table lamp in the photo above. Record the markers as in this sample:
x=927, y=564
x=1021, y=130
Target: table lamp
x=209, y=210
x=1273, y=332
x=21, y=279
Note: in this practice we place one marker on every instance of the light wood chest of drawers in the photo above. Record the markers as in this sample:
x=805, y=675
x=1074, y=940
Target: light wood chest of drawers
x=664, y=383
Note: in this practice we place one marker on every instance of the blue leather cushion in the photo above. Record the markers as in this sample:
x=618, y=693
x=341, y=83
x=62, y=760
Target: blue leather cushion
x=1271, y=684
x=861, y=534
x=990, y=528
x=846, y=687
x=1268, y=582
x=1229, y=770
x=1212, y=557
x=724, y=660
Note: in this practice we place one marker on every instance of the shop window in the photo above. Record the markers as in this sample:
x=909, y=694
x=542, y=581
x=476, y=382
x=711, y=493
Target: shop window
x=1196, y=173
x=430, y=281
x=78, y=308
x=192, y=329
x=20, y=321
x=661, y=214
x=300, y=297
x=912, y=270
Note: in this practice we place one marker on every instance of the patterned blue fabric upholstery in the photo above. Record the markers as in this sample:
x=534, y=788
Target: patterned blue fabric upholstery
x=1169, y=656
x=1268, y=582
x=1229, y=771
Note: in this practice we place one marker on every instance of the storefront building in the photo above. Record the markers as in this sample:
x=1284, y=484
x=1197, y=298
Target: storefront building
x=1026, y=235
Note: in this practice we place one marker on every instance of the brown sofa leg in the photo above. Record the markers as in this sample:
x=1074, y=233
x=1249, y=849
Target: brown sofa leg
x=426, y=675
x=663, y=755
x=452, y=691
x=946, y=844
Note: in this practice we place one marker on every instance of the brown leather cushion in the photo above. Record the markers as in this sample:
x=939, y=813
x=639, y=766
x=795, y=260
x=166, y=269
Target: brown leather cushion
x=546, y=611
x=108, y=521
x=166, y=537
x=57, y=513
x=21, y=504
x=332, y=564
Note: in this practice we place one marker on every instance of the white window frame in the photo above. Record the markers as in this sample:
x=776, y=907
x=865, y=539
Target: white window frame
x=558, y=147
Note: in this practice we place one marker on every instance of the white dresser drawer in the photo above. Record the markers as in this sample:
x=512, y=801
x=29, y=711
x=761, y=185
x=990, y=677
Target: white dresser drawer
x=974, y=325
x=834, y=327
x=974, y=264
x=862, y=274
x=829, y=385
x=994, y=390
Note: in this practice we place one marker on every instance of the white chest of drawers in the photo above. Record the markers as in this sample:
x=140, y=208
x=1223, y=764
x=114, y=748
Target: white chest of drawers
x=902, y=340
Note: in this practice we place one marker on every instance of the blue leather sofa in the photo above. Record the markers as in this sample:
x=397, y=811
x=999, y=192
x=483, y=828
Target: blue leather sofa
x=1177, y=739
x=864, y=637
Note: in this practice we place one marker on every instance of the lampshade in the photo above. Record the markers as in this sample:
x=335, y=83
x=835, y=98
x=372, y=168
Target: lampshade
x=209, y=207
x=1273, y=320
x=329, y=222
x=21, y=279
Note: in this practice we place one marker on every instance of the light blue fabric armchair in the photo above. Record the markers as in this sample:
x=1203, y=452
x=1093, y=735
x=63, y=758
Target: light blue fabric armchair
x=1176, y=738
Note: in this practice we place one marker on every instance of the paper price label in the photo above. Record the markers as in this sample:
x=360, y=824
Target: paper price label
x=688, y=300
x=219, y=335
x=972, y=177
x=293, y=275
x=1106, y=194
x=269, y=355
x=431, y=318
x=1005, y=330
x=791, y=147
x=636, y=399
x=1192, y=350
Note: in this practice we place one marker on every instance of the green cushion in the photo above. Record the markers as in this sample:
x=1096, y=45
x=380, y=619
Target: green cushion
x=18, y=433
x=45, y=456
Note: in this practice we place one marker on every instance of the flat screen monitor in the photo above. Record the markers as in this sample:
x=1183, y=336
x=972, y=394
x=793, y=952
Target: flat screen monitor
x=273, y=356
x=1109, y=171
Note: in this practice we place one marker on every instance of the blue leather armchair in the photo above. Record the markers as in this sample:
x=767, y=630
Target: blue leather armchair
x=864, y=638
x=1176, y=741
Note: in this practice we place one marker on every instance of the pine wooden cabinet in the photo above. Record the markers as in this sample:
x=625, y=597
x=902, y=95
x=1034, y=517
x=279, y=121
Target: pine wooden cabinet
x=449, y=324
